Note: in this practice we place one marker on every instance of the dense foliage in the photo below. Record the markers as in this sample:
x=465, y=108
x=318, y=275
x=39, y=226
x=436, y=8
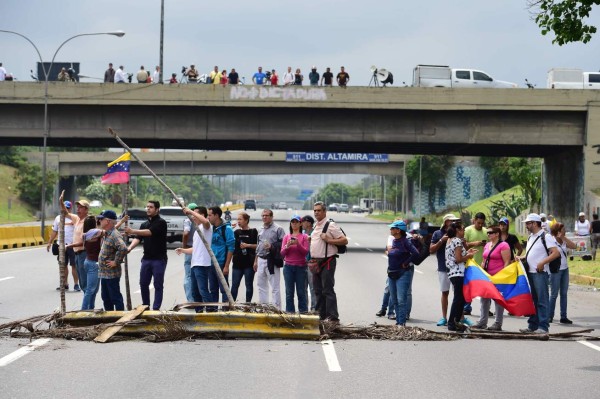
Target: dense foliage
x=565, y=18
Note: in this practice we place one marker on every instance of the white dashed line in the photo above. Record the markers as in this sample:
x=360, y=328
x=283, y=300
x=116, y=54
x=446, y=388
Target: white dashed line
x=330, y=356
x=590, y=345
x=5, y=278
x=369, y=249
x=19, y=353
x=357, y=244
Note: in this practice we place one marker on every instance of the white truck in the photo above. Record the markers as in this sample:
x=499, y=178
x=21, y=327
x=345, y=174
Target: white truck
x=572, y=78
x=173, y=215
x=444, y=76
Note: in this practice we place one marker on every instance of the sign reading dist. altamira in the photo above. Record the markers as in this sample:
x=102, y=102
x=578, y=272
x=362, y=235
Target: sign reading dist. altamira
x=335, y=157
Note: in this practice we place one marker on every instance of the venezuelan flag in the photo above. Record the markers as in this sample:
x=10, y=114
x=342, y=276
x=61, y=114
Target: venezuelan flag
x=509, y=287
x=118, y=170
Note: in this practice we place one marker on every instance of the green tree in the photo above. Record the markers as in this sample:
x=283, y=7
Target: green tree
x=565, y=18
x=29, y=178
x=11, y=155
x=433, y=171
x=335, y=192
x=526, y=172
x=499, y=172
x=96, y=191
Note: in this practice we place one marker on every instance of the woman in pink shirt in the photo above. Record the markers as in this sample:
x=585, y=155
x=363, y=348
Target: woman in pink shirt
x=496, y=256
x=293, y=250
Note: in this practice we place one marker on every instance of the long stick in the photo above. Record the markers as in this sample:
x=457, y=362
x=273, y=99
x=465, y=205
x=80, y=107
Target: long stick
x=126, y=265
x=62, y=267
x=215, y=262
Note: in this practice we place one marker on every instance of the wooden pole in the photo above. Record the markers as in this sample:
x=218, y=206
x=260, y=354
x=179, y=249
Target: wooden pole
x=62, y=267
x=125, y=196
x=215, y=262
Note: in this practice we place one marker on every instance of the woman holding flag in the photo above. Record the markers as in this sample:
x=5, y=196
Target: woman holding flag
x=456, y=256
x=496, y=256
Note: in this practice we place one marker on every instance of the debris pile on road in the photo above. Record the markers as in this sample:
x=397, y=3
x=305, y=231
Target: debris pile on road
x=332, y=330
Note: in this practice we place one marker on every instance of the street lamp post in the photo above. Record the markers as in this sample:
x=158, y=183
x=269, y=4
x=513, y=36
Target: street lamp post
x=118, y=33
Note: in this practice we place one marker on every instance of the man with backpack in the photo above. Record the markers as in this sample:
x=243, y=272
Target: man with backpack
x=324, y=242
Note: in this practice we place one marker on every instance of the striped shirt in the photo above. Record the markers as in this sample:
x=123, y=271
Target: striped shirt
x=113, y=248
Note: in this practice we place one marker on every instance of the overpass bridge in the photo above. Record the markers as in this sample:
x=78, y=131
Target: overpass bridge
x=212, y=163
x=562, y=126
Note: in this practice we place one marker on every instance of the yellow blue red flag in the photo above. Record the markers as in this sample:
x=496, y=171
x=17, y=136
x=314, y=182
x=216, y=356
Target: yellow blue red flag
x=118, y=170
x=509, y=287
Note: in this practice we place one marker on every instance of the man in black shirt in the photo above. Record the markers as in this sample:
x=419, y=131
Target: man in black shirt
x=154, y=262
x=234, y=78
x=327, y=78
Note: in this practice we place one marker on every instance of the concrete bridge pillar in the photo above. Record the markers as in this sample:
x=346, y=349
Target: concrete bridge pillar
x=562, y=191
x=591, y=150
x=68, y=184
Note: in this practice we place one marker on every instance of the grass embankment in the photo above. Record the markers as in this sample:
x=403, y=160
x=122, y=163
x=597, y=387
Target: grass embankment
x=587, y=272
x=19, y=211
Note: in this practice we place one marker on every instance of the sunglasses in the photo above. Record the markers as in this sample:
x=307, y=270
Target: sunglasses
x=491, y=232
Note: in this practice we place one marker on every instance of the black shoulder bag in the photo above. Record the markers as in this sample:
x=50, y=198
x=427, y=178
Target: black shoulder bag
x=554, y=264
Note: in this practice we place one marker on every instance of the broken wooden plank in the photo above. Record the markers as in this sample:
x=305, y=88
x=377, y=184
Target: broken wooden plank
x=112, y=330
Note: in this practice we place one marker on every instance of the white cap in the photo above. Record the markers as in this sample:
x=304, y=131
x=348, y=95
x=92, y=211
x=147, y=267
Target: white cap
x=533, y=217
x=581, y=213
x=543, y=215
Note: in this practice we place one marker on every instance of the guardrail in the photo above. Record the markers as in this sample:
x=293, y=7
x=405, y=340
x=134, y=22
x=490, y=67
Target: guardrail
x=22, y=236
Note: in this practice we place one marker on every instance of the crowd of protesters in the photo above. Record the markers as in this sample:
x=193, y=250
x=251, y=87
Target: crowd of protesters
x=305, y=253
x=220, y=76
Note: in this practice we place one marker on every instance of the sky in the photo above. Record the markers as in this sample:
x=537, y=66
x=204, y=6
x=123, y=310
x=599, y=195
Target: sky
x=498, y=37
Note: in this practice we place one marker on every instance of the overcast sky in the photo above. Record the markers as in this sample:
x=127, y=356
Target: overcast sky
x=496, y=36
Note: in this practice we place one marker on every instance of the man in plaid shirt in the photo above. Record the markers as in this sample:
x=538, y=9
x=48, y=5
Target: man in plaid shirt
x=112, y=253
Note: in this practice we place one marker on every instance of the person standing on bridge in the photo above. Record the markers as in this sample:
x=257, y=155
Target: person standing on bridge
x=259, y=77
x=288, y=77
x=327, y=78
x=323, y=249
x=154, y=261
x=343, y=78
x=109, y=74
x=111, y=256
x=120, y=75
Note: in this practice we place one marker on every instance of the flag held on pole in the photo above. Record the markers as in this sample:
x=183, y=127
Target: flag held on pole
x=118, y=170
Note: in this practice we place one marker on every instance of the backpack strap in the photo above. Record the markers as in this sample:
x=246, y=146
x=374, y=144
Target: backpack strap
x=487, y=260
x=527, y=253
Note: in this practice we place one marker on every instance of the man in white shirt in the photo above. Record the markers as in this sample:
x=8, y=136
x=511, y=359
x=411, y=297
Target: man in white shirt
x=288, y=77
x=120, y=75
x=202, y=269
x=2, y=73
x=536, y=259
x=156, y=75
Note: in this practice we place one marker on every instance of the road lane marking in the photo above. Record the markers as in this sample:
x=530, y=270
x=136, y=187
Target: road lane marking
x=19, y=353
x=357, y=244
x=5, y=278
x=369, y=249
x=590, y=345
x=330, y=356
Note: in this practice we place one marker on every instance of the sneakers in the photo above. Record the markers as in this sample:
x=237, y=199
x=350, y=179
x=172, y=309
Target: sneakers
x=490, y=314
x=391, y=316
x=479, y=326
x=407, y=317
x=66, y=288
x=564, y=320
x=526, y=331
x=381, y=313
x=457, y=328
x=495, y=327
x=442, y=322
x=467, y=312
x=76, y=287
x=540, y=331
x=467, y=322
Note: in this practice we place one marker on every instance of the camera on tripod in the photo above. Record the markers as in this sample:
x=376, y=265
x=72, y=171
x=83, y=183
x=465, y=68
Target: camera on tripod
x=129, y=77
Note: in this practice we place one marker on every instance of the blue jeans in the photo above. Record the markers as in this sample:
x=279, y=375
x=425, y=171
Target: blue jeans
x=295, y=279
x=89, y=295
x=399, y=294
x=152, y=269
x=559, y=283
x=539, y=290
x=187, y=278
x=111, y=294
x=205, y=287
x=387, y=300
x=81, y=269
x=236, y=279
x=223, y=295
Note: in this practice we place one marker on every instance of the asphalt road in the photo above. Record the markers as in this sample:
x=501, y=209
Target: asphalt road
x=466, y=368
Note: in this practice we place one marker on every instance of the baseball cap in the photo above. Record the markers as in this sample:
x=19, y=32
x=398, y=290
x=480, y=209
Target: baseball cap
x=503, y=220
x=580, y=213
x=449, y=216
x=68, y=204
x=533, y=217
x=296, y=217
x=192, y=206
x=398, y=224
x=83, y=203
x=308, y=218
x=108, y=214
